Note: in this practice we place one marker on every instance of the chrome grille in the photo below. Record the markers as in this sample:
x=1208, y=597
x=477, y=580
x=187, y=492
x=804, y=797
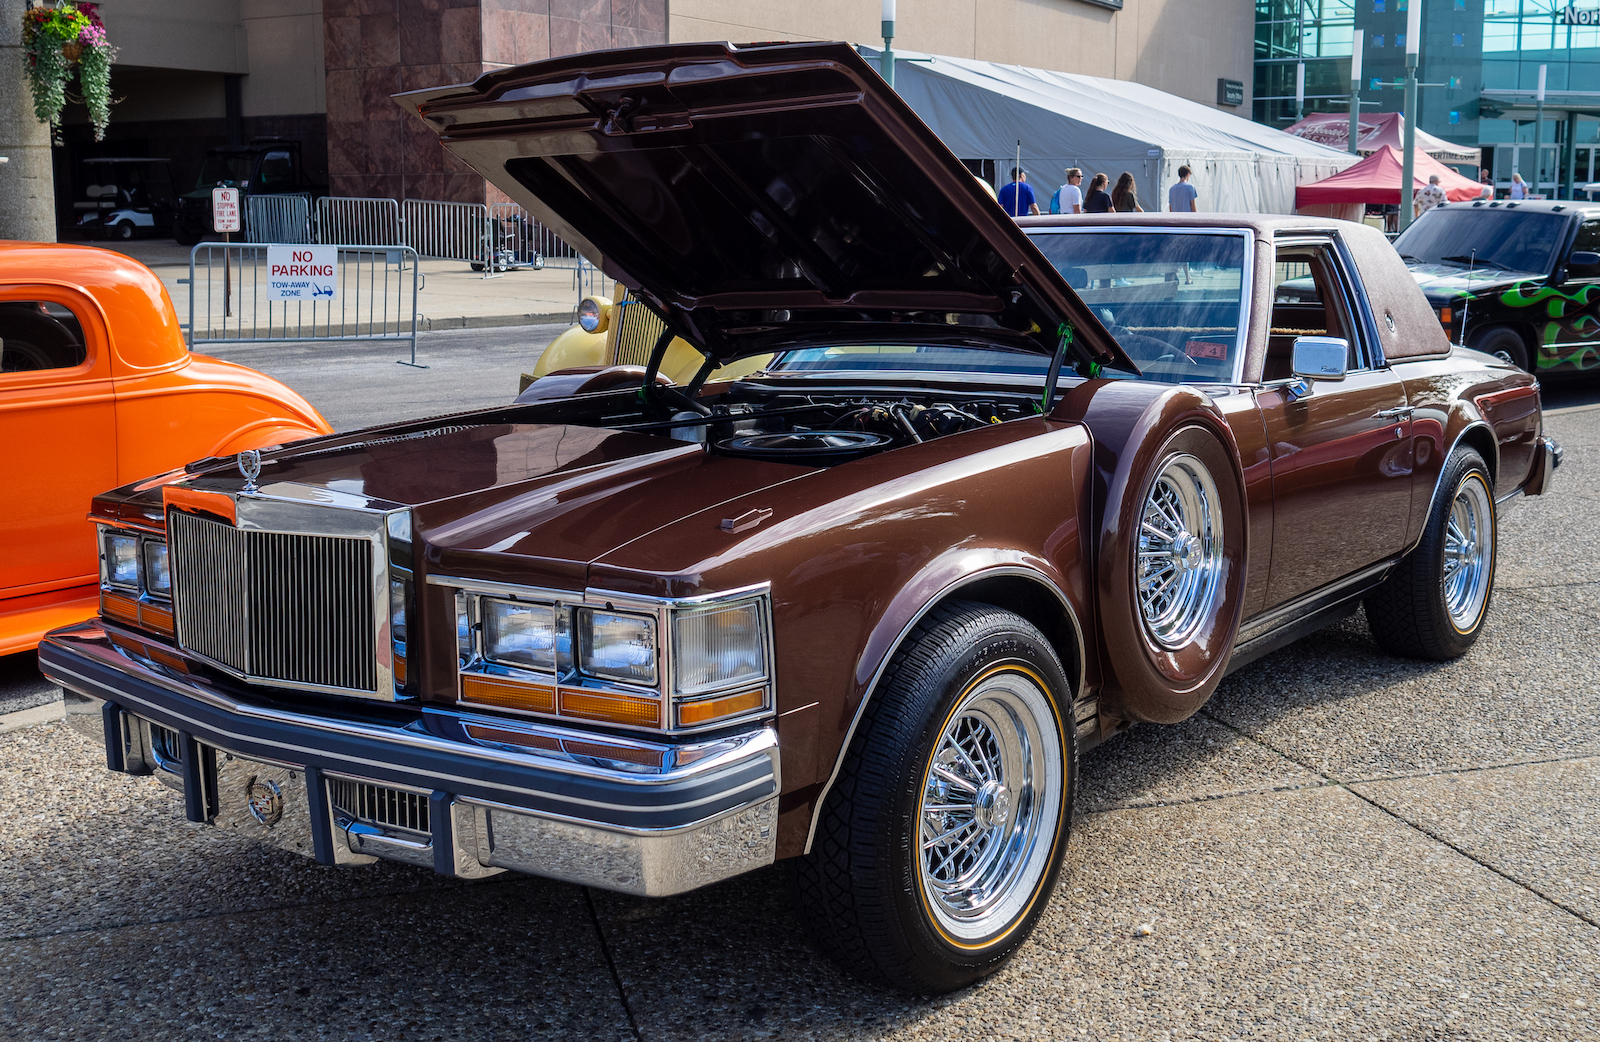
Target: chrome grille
x=636, y=332
x=276, y=606
x=380, y=805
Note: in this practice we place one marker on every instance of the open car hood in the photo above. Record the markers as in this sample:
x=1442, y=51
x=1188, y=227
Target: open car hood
x=763, y=197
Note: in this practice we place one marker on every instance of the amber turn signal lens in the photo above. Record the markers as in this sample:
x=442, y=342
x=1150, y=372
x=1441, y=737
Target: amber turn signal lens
x=1445, y=316
x=156, y=620
x=611, y=709
x=400, y=671
x=509, y=694
x=692, y=713
x=119, y=607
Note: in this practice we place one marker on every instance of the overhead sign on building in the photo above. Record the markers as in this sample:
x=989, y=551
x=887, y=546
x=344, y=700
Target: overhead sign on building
x=225, y=209
x=302, y=272
x=1571, y=15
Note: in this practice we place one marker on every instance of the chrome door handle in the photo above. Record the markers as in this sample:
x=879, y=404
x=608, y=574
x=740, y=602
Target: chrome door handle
x=1395, y=414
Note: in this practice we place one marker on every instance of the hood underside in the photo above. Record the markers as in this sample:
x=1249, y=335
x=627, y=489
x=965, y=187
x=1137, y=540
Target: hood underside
x=763, y=197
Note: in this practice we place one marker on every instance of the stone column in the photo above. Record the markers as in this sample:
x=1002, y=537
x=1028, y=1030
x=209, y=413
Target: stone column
x=27, y=187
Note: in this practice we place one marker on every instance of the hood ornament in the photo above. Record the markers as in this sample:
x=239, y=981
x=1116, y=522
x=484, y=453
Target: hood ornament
x=250, y=467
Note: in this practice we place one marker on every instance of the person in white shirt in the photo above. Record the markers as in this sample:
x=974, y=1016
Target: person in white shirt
x=1071, y=195
x=1427, y=197
x=1519, y=187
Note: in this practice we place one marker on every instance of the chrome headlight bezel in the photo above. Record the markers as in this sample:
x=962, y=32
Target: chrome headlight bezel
x=739, y=697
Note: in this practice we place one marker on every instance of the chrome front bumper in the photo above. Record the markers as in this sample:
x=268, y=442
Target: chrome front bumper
x=467, y=794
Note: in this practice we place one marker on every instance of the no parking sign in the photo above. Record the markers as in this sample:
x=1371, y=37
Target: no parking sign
x=302, y=272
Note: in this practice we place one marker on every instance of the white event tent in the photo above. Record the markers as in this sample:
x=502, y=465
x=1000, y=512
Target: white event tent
x=981, y=109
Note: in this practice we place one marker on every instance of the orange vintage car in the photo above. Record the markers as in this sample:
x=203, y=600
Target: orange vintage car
x=97, y=388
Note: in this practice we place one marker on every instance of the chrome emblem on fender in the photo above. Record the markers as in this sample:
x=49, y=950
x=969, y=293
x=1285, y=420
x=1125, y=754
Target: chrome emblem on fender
x=266, y=802
x=250, y=467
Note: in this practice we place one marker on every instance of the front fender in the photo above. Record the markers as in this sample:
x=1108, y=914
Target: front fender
x=571, y=350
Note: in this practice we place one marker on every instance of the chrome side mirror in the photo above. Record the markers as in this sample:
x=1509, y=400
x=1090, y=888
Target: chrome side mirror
x=1317, y=358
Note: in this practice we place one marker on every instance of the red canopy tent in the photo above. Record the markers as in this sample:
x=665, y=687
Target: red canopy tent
x=1373, y=131
x=1376, y=179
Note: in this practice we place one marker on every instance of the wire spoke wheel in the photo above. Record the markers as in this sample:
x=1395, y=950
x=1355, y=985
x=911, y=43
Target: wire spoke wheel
x=990, y=798
x=1180, y=551
x=1468, y=553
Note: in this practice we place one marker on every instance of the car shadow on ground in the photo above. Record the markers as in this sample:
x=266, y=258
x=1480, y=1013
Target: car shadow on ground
x=733, y=960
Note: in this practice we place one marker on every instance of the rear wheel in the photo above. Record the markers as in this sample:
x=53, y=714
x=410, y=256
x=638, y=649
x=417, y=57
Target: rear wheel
x=1434, y=603
x=124, y=230
x=941, y=842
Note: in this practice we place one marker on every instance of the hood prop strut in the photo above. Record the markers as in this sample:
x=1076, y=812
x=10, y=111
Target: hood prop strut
x=668, y=396
x=1064, y=340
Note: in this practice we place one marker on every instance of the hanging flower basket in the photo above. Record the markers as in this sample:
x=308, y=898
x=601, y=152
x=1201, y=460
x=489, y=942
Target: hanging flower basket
x=62, y=41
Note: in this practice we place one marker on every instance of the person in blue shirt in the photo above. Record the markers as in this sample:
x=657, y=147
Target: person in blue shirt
x=1017, y=197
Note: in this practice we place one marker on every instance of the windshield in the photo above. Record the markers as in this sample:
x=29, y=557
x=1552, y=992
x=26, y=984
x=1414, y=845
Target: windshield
x=219, y=168
x=1505, y=239
x=1172, y=300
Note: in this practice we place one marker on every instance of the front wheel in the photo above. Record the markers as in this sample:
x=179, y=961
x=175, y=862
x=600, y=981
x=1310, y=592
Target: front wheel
x=1504, y=343
x=940, y=845
x=1434, y=603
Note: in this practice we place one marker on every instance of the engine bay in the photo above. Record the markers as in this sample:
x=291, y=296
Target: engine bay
x=756, y=421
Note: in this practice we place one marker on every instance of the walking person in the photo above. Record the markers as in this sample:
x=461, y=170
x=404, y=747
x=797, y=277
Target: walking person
x=1427, y=197
x=1519, y=187
x=1098, y=200
x=1183, y=197
x=1125, y=197
x=1017, y=197
x=1069, y=197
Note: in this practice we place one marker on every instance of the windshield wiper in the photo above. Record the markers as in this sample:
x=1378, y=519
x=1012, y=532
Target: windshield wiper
x=1486, y=262
x=1407, y=256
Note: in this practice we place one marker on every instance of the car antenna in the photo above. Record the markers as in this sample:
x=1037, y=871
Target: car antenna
x=1466, y=303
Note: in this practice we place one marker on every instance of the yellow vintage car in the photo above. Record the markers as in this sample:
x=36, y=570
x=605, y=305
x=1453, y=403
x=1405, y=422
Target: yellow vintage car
x=623, y=333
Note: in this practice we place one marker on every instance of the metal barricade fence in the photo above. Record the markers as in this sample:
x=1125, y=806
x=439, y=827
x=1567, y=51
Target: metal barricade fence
x=523, y=242
x=230, y=302
x=446, y=231
x=353, y=221
x=278, y=218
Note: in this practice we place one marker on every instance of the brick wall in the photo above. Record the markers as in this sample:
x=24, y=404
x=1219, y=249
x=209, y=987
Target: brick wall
x=375, y=48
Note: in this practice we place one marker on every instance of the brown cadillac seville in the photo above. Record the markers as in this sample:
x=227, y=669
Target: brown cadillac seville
x=1004, y=491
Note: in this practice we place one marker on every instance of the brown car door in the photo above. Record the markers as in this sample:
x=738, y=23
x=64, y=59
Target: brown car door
x=1341, y=455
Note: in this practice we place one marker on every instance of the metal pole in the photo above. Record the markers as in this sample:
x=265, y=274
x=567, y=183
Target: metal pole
x=1538, y=129
x=1408, y=166
x=888, y=42
x=1355, y=90
x=1572, y=156
x=1299, y=91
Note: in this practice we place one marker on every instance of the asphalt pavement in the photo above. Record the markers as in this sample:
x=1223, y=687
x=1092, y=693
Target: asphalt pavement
x=1341, y=845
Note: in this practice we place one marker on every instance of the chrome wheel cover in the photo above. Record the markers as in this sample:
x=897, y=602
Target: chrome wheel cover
x=991, y=800
x=1468, y=553
x=1179, y=569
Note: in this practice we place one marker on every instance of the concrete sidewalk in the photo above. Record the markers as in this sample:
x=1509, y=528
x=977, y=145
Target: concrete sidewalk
x=453, y=296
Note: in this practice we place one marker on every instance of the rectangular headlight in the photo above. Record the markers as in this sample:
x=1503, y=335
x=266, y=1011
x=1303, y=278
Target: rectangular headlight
x=122, y=560
x=519, y=634
x=157, y=577
x=719, y=647
x=617, y=647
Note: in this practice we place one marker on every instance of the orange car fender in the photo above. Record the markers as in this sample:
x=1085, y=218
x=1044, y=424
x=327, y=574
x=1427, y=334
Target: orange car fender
x=201, y=409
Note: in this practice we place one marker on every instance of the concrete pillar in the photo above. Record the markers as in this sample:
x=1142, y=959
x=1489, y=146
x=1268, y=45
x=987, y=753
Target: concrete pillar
x=27, y=187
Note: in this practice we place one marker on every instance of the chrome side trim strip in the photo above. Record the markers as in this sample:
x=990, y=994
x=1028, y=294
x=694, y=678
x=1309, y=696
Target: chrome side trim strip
x=1307, y=603
x=872, y=685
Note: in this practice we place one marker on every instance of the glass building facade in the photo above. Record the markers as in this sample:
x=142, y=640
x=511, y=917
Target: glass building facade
x=1479, y=65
